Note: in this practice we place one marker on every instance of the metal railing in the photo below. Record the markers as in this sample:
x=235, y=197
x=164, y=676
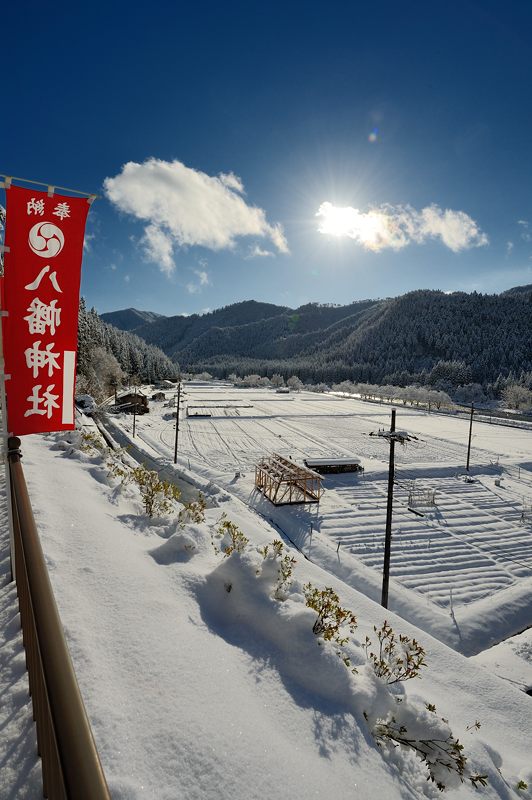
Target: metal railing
x=71, y=766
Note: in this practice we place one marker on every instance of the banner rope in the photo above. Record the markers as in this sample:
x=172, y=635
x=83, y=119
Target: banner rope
x=50, y=186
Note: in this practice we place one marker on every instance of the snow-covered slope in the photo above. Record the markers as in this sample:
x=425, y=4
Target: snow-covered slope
x=203, y=677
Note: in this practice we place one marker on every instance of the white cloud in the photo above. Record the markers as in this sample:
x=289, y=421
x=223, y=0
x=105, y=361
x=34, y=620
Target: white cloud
x=232, y=181
x=258, y=252
x=526, y=235
x=87, y=241
x=183, y=206
x=127, y=278
x=203, y=280
x=158, y=247
x=457, y=230
x=396, y=227
x=509, y=247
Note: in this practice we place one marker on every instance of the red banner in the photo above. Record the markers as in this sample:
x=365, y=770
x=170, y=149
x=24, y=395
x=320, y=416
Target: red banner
x=42, y=273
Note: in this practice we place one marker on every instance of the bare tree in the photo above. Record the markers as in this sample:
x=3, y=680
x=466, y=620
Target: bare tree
x=517, y=396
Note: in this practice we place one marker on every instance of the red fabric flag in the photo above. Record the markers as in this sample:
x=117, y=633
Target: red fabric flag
x=42, y=273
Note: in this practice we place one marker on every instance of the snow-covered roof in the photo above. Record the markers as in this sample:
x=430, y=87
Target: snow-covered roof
x=318, y=462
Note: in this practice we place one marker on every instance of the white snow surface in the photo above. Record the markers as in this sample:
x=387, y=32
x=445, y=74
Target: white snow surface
x=511, y=660
x=462, y=571
x=199, y=683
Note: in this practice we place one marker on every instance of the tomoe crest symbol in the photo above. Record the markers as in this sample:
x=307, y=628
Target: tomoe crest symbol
x=46, y=239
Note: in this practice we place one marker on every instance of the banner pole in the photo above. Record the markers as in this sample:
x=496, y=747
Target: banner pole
x=91, y=197
x=5, y=435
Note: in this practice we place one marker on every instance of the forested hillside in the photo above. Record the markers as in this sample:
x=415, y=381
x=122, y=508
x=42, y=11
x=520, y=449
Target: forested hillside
x=423, y=336
x=107, y=354
x=130, y=318
x=173, y=334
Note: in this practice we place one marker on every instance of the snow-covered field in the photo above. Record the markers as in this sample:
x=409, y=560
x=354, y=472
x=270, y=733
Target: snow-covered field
x=203, y=678
x=465, y=565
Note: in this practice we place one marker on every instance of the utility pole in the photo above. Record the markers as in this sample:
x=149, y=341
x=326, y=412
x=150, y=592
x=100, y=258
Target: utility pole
x=393, y=436
x=469, y=441
x=134, y=409
x=389, y=509
x=177, y=420
x=114, y=385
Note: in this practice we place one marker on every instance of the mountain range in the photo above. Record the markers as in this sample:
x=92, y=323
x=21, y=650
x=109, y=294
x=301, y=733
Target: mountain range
x=129, y=319
x=393, y=340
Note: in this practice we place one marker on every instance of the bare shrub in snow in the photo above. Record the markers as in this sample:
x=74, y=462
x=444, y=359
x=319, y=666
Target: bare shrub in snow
x=158, y=496
x=398, y=659
x=232, y=539
x=194, y=511
x=332, y=618
x=284, y=579
x=285, y=564
x=434, y=744
x=333, y=622
x=91, y=443
x=116, y=469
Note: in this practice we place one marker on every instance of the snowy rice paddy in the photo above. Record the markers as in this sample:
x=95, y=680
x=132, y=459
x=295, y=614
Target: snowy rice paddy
x=474, y=546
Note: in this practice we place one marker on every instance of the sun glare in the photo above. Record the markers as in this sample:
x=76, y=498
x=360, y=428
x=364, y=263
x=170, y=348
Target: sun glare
x=349, y=222
x=335, y=221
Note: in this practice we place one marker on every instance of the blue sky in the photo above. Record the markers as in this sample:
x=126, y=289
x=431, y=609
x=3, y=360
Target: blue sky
x=241, y=122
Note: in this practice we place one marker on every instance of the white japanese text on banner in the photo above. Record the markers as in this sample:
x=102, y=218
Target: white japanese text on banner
x=42, y=273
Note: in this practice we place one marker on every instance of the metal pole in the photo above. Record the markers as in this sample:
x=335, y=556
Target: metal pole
x=469, y=441
x=388, y=535
x=4, y=435
x=177, y=420
x=80, y=765
x=134, y=410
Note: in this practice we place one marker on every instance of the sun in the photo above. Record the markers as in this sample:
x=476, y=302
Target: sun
x=366, y=228
x=335, y=221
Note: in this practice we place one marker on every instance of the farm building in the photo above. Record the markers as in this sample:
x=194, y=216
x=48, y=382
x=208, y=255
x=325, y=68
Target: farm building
x=132, y=402
x=283, y=482
x=164, y=385
x=327, y=466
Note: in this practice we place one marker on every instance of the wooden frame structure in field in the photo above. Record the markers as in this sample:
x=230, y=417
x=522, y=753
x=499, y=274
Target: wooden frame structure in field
x=418, y=496
x=283, y=482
